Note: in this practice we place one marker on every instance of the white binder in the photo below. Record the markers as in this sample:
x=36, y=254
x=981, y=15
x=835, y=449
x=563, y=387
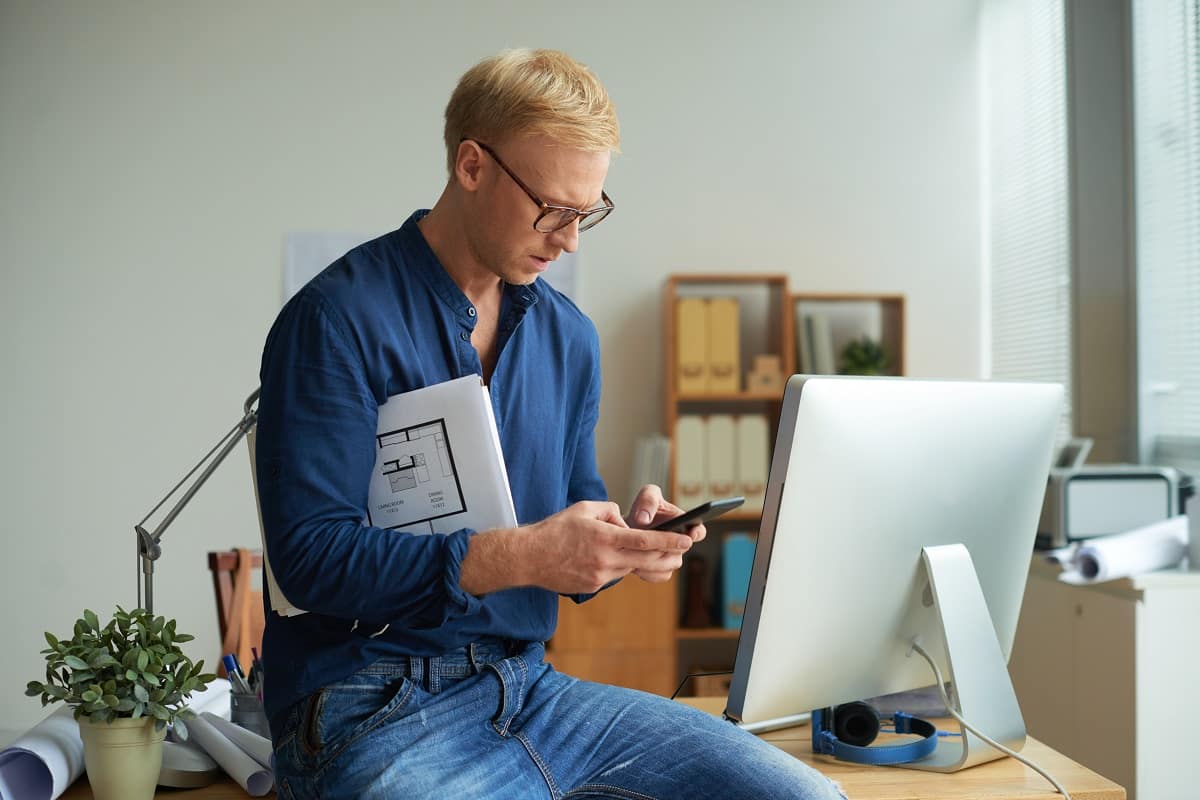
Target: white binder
x=722, y=456
x=752, y=461
x=691, y=470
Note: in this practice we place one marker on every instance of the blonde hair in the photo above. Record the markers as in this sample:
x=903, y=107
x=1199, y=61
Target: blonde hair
x=531, y=93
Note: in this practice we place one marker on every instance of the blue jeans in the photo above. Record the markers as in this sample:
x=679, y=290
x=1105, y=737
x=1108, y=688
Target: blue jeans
x=495, y=721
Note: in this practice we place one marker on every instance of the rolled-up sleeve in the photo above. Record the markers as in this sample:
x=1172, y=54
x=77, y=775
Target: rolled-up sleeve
x=315, y=454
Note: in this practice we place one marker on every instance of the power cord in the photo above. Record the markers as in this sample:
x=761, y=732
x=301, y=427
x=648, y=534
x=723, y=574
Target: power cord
x=937, y=673
x=679, y=688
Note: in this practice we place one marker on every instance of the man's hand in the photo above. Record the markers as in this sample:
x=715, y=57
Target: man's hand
x=648, y=509
x=576, y=551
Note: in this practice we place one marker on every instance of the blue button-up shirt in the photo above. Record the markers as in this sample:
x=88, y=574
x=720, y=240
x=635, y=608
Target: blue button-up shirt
x=383, y=319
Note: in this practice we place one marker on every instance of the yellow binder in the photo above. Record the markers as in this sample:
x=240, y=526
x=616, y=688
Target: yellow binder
x=691, y=346
x=724, y=346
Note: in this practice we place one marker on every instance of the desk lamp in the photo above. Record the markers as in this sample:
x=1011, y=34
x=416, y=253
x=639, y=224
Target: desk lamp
x=148, y=546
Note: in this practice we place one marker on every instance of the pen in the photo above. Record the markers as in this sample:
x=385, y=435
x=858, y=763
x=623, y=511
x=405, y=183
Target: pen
x=233, y=670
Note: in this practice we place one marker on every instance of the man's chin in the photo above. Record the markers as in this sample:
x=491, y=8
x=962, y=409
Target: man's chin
x=520, y=277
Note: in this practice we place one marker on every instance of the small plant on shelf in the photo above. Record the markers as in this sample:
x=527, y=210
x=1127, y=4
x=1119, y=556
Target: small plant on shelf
x=864, y=356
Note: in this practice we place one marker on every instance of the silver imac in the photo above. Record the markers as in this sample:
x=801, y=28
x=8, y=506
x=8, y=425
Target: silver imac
x=897, y=510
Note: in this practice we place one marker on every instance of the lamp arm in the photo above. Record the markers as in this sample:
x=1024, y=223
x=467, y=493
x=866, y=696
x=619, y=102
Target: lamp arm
x=148, y=546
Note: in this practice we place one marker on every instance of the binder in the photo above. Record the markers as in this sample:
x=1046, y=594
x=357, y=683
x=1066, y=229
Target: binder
x=753, y=460
x=737, y=558
x=691, y=462
x=724, y=346
x=722, y=456
x=438, y=467
x=691, y=345
x=821, y=341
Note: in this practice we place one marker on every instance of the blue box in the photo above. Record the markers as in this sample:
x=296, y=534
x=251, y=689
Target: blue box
x=737, y=558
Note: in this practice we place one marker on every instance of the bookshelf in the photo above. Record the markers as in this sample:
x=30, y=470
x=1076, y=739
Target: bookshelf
x=634, y=633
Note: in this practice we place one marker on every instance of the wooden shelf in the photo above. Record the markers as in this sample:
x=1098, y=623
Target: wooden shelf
x=732, y=397
x=707, y=633
x=737, y=516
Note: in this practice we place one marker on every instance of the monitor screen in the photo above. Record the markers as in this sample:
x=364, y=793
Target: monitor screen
x=866, y=472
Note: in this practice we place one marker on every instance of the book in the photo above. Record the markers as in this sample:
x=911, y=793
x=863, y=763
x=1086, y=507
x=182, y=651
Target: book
x=439, y=467
x=821, y=341
x=737, y=559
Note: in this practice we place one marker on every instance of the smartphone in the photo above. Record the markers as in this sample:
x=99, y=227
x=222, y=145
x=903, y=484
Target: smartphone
x=702, y=512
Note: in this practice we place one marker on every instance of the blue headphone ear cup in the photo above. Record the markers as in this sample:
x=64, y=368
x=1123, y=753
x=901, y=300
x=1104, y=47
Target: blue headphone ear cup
x=856, y=723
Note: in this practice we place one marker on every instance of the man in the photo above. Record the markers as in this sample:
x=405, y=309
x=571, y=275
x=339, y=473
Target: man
x=419, y=671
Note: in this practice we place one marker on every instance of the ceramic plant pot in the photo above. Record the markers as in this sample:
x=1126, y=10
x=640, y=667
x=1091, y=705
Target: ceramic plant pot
x=123, y=757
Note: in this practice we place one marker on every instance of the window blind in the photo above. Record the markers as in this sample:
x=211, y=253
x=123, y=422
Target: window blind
x=1166, y=70
x=1026, y=207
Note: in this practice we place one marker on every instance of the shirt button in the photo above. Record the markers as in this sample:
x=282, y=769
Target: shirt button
x=466, y=337
x=471, y=311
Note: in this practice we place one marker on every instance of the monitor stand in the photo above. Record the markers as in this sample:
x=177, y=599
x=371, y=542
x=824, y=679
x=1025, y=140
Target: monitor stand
x=975, y=664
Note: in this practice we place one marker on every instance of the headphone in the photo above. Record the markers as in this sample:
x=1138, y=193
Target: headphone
x=845, y=731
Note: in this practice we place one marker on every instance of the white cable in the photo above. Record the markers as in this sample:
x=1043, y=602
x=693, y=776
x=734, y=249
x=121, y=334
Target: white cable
x=937, y=673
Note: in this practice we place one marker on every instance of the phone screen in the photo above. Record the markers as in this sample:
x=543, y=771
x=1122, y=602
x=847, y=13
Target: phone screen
x=701, y=513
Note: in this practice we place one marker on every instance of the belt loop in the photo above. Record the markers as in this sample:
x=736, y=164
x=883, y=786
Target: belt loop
x=416, y=670
x=435, y=674
x=471, y=657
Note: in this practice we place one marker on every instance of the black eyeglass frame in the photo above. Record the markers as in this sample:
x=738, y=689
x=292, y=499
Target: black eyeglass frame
x=547, y=209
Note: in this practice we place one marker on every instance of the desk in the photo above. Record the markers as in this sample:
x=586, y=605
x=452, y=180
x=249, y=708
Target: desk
x=224, y=789
x=1005, y=779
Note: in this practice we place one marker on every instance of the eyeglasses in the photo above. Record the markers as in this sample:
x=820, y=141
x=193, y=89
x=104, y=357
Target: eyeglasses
x=554, y=218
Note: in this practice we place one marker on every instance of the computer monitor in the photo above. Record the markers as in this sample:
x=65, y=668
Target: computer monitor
x=874, y=483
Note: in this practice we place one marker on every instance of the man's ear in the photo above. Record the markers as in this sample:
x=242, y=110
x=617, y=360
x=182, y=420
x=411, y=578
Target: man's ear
x=468, y=165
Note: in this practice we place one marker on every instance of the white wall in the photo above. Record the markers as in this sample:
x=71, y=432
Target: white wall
x=153, y=156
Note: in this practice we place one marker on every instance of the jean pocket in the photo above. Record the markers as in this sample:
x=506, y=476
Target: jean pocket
x=342, y=713
x=283, y=790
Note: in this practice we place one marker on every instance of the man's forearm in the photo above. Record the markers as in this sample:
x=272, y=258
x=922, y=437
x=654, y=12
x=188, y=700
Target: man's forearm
x=496, y=560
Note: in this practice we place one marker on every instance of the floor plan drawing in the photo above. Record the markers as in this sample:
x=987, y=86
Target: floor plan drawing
x=418, y=466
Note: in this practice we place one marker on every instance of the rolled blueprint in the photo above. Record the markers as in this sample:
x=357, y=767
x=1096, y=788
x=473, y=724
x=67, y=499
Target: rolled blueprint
x=255, y=746
x=45, y=761
x=1157, y=546
x=256, y=779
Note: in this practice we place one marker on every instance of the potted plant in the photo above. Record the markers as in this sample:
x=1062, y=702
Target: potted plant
x=864, y=356
x=127, y=681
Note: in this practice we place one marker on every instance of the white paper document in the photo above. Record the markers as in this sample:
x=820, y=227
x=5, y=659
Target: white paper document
x=45, y=761
x=438, y=467
x=1153, y=547
x=256, y=779
x=438, y=464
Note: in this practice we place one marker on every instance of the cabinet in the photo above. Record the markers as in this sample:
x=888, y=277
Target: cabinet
x=729, y=344
x=1107, y=675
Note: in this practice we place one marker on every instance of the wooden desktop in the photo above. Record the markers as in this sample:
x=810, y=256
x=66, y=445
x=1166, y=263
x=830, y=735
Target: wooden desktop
x=1004, y=779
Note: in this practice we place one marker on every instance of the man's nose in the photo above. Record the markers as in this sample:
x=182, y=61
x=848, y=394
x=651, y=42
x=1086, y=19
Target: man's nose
x=568, y=237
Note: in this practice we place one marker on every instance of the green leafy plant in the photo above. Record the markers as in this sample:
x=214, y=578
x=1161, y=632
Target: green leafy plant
x=131, y=667
x=864, y=356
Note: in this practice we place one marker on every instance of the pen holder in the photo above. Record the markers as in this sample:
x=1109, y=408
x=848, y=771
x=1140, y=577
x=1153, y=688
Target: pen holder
x=247, y=711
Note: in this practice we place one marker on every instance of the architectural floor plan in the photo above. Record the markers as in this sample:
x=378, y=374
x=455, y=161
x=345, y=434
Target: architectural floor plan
x=419, y=468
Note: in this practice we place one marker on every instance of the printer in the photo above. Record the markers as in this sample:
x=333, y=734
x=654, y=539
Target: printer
x=1089, y=500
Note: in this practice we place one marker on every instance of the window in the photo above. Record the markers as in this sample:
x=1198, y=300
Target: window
x=1026, y=209
x=1166, y=72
